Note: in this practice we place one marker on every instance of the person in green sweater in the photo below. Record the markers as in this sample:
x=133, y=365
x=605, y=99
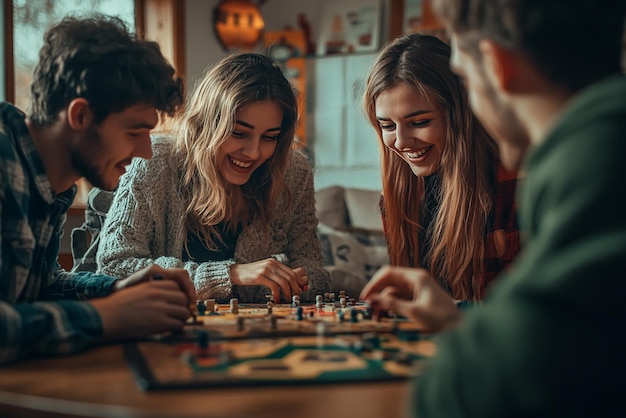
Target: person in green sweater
x=544, y=78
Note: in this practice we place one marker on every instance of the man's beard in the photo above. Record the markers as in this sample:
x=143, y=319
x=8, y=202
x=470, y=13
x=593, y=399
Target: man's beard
x=84, y=162
x=89, y=171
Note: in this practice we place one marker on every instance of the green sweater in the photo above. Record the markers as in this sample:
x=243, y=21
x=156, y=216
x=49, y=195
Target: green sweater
x=550, y=340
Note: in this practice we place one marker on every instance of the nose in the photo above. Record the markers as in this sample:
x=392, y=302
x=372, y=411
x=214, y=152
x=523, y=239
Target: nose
x=251, y=148
x=403, y=137
x=143, y=147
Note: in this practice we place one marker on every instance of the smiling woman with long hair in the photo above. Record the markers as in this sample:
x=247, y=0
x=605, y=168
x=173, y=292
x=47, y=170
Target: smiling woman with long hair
x=448, y=205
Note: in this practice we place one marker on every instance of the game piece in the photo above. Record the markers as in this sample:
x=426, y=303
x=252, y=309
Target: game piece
x=320, y=329
x=331, y=295
x=342, y=293
x=203, y=343
x=269, y=307
x=342, y=302
x=201, y=307
x=234, y=306
x=367, y=312
x=318, y=302
x=352, y=302
x=194, y=314
x=354, y=315
x=210, y=306
x=295, y=301
x=299, y=311
x=326, y=297
x=340, y=316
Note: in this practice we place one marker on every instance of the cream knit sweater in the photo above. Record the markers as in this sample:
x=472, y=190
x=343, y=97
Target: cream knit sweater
x=145, y=225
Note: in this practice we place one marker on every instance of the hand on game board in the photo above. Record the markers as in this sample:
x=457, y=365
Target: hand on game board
x=273, y=274
x=142, y=309
x=413, y=293
x=179, y=276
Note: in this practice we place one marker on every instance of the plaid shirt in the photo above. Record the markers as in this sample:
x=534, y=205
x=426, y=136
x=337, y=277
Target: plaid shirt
x=502, y=242
x=41, y=311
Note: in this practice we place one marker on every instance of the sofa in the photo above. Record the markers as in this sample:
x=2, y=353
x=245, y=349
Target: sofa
x=351, y=232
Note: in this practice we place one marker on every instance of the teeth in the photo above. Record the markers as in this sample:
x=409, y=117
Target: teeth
x=418, y=154
x=240, y=163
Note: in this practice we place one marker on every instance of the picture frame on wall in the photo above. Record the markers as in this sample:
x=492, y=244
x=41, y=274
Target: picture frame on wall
x=350, y=26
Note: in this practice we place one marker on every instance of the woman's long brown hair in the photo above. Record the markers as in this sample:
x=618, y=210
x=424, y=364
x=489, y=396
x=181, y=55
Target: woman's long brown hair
x=466, y=170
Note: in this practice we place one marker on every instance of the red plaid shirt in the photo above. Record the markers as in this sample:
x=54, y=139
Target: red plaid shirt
x=502, y=242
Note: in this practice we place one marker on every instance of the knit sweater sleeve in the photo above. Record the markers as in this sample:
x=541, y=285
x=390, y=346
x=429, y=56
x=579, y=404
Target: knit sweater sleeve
x=145, y=226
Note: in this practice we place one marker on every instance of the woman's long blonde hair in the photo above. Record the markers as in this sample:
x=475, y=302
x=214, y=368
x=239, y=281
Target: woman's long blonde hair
x=208, y=120
x=466, y=173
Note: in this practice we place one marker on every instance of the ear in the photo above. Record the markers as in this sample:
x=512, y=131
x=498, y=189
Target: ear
x=79, y=114
x=500, y=63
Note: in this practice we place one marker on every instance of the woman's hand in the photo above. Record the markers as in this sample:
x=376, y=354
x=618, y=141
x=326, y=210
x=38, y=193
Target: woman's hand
x=273, y=274
x=413, y=293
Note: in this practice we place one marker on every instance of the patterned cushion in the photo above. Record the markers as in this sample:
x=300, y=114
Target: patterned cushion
x=352, y=256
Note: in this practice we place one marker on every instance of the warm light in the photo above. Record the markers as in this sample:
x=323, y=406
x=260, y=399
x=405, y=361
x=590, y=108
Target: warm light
x=238, y=24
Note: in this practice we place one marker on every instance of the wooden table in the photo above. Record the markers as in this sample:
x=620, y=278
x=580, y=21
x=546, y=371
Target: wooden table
x=98, y=383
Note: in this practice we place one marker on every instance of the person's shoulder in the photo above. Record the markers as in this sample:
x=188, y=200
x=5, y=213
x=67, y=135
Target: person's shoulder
x=10, y=145
x=157, y=169
x=8, y=115
x=589, y=132
x=162, y=146
x=299, y=160
x=162, y=150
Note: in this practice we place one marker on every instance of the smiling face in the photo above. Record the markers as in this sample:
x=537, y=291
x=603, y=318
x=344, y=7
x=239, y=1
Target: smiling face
x=412, y=126
x=252, y=142
x=103, y=152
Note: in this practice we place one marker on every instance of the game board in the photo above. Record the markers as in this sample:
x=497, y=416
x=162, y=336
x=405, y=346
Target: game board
x=252, y=347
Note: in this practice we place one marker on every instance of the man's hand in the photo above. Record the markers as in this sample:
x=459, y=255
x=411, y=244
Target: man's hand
x=179, y=276
x=273, y=274
x=139, y=305
x=413, y=293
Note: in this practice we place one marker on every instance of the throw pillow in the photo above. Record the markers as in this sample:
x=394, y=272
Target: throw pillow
x=357, y=253
x=331, y=206
x=363, y=208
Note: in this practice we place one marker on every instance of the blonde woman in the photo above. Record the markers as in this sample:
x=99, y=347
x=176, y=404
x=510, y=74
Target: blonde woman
x=448, y=205
x=227, y=198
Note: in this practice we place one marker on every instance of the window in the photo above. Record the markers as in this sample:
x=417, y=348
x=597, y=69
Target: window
x=31, y=18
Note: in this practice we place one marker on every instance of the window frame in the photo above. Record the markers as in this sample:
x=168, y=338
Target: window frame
x=161, y=20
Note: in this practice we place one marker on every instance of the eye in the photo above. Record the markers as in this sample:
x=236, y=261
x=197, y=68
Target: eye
x=421, y=123
x=138, y=134
x=270, y=137
x=238, y=134
x=387, y=126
